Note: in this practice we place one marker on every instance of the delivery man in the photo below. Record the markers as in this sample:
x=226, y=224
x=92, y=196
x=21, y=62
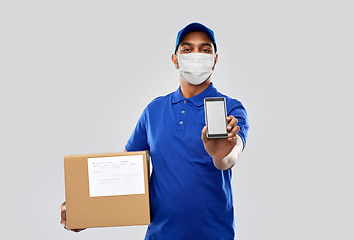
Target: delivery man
x=190, y=185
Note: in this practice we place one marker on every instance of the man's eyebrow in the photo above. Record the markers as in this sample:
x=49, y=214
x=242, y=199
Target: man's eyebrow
x=186, y=43
x=202, y=44
x=206, y=44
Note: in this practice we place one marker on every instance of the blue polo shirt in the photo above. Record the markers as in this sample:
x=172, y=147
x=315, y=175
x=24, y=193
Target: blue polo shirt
x=190, y=198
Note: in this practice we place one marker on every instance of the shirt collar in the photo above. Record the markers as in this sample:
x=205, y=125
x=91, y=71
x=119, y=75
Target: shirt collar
x=197, y=100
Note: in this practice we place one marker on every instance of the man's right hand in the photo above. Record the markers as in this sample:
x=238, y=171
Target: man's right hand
x=63, y=218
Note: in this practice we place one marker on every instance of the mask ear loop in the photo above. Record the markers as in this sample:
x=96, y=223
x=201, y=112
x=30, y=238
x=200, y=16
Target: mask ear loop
x=214, y=64
x=177, y=60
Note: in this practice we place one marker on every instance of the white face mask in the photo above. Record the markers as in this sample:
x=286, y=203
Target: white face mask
x=195, y=67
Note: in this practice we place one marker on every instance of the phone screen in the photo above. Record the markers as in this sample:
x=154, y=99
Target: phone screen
x=215, y=117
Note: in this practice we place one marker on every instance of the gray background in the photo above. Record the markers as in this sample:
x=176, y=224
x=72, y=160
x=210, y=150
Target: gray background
x=76, y=75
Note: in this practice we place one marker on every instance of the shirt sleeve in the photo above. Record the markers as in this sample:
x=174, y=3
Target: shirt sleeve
x=138, y=139
x=238, y=111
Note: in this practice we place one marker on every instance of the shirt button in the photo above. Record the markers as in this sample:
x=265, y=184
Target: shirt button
x=183, y=112
x=185, y=101
x=180, y=122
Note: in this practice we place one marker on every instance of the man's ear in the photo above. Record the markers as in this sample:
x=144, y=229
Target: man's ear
x=216, y=59
x=174, y=60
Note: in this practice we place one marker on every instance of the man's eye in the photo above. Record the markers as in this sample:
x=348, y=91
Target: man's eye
x=186, y=50
x=206, y=50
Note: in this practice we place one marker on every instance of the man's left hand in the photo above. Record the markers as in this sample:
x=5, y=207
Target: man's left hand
x=219, y=148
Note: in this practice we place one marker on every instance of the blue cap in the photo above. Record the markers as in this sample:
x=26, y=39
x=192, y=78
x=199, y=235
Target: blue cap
x=194, y=27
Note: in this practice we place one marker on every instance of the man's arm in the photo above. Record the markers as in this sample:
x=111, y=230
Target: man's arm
x=224, y=151
x=230, y=160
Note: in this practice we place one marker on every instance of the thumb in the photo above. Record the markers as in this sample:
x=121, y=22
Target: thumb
x=204, y=136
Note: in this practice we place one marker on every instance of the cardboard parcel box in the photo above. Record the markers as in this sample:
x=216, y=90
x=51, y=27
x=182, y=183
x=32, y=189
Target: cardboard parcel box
x=107, y=190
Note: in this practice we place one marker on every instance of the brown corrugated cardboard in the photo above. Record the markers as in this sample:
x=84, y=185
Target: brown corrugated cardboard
x=83, y=211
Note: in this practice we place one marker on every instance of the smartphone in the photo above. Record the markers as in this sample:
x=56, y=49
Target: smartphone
x=215, y=117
